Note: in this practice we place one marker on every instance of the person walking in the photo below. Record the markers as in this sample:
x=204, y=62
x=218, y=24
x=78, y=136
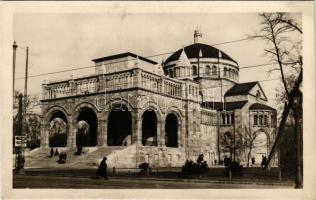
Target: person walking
x=51, y=152
x=253, y=161
x=102, y=170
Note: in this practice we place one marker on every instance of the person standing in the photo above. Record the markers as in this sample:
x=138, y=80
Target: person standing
x=102, y=170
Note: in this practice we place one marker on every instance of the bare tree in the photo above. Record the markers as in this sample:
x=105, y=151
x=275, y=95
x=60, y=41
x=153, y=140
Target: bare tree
x=283, y=35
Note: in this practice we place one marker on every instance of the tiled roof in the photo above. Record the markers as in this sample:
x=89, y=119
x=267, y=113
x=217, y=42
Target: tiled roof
x=116, y=56
x=227, y=105
x=192, y=51
x=259, y=106
x=240, y=88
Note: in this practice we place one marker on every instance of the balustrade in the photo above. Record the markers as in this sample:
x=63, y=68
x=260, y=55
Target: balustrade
x=115, y=81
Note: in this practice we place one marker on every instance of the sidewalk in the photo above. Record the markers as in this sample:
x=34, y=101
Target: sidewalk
x=89, y=173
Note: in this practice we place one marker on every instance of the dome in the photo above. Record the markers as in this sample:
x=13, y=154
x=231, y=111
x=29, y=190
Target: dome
x=192, y=51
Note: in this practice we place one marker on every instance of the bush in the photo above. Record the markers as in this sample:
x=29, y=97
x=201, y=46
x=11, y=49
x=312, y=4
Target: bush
x=235, y=168
x=192, y=168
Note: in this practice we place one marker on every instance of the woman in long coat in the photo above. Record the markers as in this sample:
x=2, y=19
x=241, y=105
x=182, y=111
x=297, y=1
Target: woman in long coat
x=102, y=170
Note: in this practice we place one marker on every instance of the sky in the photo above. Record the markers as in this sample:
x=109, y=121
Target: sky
x=66, y=41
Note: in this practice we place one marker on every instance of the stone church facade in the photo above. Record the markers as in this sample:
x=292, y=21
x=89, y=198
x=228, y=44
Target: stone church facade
x=137, y=110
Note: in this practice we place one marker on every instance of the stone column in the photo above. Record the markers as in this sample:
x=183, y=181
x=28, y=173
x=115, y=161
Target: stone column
x=162, y=134
x=137, y=128
x=44, y=135
x=102, y=133
x=72, y=133
x=159, y=132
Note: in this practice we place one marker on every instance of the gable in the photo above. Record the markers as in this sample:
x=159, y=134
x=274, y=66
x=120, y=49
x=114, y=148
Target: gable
x=257, y=88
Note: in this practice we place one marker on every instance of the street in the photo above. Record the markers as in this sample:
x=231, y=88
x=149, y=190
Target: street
x=42, y=181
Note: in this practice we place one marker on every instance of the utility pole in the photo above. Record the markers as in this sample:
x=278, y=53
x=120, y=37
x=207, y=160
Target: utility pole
x=25, y=93
x=15, y=46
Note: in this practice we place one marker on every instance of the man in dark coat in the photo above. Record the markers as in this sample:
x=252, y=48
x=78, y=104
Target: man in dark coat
x=102, y=170
x=51, y=152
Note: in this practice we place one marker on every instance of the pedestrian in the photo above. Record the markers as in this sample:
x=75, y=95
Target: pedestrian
x=102, y=170
x=51, y=152
x=253, y=161
x=263, y=161
x=56, y=152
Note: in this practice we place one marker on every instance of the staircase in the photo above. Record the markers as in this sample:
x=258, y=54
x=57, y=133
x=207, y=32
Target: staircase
x=118, y=156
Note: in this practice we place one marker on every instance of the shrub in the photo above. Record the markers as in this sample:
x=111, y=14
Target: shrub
x=235, y=168
x=192, y=168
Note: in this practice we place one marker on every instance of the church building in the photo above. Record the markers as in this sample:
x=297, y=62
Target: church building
x=137, y=110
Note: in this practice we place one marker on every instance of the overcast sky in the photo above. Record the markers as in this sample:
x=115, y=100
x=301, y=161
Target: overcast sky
x=65, y=41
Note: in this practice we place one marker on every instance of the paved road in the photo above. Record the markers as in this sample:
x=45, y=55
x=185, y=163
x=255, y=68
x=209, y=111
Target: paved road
x=42, y=181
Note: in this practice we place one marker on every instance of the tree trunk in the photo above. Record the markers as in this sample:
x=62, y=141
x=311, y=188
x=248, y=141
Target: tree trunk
x=285, y=114
x=249, y=153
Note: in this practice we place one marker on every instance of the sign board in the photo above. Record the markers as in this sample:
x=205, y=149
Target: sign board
x=20, y=141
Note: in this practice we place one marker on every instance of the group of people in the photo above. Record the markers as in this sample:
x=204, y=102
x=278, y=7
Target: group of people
x=263, y=161
x=62, y=156
x=53, y=153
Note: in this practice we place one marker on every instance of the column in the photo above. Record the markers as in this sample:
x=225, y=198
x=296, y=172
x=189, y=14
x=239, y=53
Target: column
x=44, y=135
x=159, y=127
x=72, y=133
x=162, y=134
x=137, y=128
x=102, y=133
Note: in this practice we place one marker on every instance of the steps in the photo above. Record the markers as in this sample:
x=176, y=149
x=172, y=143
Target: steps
x=117, y=156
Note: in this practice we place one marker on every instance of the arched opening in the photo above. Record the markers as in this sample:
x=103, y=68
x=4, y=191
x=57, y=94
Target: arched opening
x=207, y=70
x=194, y=70
x=214, y=70
x=58, y=130
x=149, y=128
x=171, y=129
x=227, y=143
x=119, y=126
x=87, y=128
x=225, y=71
x=260, y=147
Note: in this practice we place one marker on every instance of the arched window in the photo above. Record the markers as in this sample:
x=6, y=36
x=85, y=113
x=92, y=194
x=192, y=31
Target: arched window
x=229, y=73
x=214, y=70
x=260, y=120
x=225, y=71
x=223, y=118
x=194, y=70
x=207, y=70
x=255, y=119
x=265, y=120
x=232, y=118
x=170, y=72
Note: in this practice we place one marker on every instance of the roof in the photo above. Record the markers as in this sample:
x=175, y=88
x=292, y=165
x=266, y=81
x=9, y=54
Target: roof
x=183, y=60
x=259, y=106
x=192, y=51
x=116, y=56
x=227, y=105
x=241, y=88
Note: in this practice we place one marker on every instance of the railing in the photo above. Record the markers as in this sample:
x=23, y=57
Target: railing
x=117, y=81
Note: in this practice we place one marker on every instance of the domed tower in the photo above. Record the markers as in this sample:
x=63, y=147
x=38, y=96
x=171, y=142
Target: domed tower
x=213, y=69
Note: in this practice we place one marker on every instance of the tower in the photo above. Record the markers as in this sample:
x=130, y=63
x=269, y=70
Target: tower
x=197, y=34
